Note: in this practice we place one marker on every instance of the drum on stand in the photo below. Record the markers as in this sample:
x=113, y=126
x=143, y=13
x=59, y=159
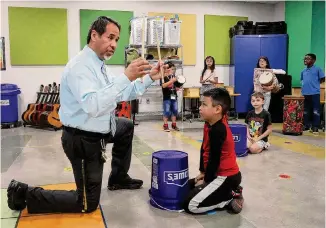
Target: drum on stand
x=293, y=115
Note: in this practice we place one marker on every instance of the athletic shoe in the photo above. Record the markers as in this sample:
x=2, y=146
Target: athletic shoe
x=174, y=127
x=126, y=183
x=16, y=193
x=166, y=128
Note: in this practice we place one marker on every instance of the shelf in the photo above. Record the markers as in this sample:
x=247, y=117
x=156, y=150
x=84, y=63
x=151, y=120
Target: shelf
x=153, y=46
x=174, y=61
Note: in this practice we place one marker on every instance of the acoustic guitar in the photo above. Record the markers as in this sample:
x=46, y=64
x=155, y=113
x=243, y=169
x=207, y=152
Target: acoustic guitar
x=43, y=107
x=53, y=117
x=31, y=106
x=48, y=107
x=33, y=115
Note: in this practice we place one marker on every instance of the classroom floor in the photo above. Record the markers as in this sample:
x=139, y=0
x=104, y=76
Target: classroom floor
x=35, y=156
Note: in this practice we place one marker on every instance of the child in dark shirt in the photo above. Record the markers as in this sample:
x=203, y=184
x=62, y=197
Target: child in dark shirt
x=259, y=125
x=218, y=184
x=170, y=98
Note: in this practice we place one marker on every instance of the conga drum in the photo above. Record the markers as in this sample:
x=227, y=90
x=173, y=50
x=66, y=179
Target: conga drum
x=293, y=115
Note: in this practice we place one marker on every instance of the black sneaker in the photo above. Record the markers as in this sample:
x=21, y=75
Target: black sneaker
x=16, y=193
x=315, y=130
x=306, y=128
x=126, y=183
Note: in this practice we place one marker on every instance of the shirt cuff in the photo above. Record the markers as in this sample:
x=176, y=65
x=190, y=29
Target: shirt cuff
x=147, y=80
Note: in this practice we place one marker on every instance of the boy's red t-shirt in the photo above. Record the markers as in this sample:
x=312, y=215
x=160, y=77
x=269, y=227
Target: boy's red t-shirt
x=218, y=157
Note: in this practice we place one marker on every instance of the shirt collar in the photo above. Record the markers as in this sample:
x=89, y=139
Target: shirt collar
x=312, y=67
x=90, y=52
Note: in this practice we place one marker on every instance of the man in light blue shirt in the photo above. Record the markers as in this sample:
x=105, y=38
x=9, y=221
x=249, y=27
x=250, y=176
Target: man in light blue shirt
x=311, y=77
x=89, y=94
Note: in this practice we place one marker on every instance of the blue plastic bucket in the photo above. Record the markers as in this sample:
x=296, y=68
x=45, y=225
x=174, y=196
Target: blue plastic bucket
x=239, y=133
x=170, y=175
x=9, y=103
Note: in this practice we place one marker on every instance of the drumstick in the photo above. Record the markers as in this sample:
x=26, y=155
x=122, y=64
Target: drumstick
x=143, y=42
x=159, y=55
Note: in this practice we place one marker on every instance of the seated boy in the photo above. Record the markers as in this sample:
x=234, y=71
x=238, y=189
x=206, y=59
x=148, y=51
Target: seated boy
x=218, y=184
x=259, y=125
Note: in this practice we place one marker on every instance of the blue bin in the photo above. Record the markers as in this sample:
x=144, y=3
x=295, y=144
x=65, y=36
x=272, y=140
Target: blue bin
x=170, y=175
x=9, y=103
x=239, y=133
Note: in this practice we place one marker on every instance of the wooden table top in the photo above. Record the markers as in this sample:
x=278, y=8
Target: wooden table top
x=191, y=96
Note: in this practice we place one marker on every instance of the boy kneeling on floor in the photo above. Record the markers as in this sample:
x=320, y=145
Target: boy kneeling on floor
x=218, y=184
x=259, y=125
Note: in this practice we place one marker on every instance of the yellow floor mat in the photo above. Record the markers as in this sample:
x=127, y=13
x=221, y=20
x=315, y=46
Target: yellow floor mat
x=62, y=220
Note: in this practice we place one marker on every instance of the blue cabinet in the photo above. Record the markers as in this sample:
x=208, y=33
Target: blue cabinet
x=246, y=49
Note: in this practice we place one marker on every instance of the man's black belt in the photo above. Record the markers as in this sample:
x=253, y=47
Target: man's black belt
x=76, y=131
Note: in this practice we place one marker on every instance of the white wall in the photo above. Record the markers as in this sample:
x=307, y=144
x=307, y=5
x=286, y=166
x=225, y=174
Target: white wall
x=29, y=78
x=279, y=11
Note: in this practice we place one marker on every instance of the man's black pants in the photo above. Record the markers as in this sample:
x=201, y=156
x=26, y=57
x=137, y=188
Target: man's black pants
x=84, y=150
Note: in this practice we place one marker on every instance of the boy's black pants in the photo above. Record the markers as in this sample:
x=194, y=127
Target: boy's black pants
x=209, y=196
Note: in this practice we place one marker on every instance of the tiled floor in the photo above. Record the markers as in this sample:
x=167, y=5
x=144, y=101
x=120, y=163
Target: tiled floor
x=36, y=157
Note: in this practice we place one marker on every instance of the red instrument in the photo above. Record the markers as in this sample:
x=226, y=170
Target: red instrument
x=123, y=110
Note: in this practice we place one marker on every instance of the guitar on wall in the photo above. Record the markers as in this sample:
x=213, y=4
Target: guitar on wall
x=31, y=106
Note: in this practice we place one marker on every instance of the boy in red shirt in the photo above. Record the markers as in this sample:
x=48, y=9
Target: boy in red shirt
x=218, y=184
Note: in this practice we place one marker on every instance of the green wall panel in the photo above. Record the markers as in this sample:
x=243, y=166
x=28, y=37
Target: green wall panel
x=298, y=16
x=122, y=17
x=318, y=33
x=38, y=36
x=217, y=40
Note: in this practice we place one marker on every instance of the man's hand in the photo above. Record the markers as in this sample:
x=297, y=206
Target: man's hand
x=137, y=68
x=155, y=73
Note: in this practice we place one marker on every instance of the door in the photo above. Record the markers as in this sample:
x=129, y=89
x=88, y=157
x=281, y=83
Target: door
x=246, y=53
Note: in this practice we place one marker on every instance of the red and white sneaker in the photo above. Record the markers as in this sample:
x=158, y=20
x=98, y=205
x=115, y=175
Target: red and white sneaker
x=166, y=128
x=174, y=127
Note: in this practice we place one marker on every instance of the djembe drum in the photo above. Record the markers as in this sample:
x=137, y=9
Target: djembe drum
x=293, y=115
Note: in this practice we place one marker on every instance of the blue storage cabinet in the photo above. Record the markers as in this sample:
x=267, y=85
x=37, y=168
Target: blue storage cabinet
x=246, y=49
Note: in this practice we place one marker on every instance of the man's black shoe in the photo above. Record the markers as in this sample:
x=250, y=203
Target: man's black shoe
x=125, y=183
x=16, y=193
